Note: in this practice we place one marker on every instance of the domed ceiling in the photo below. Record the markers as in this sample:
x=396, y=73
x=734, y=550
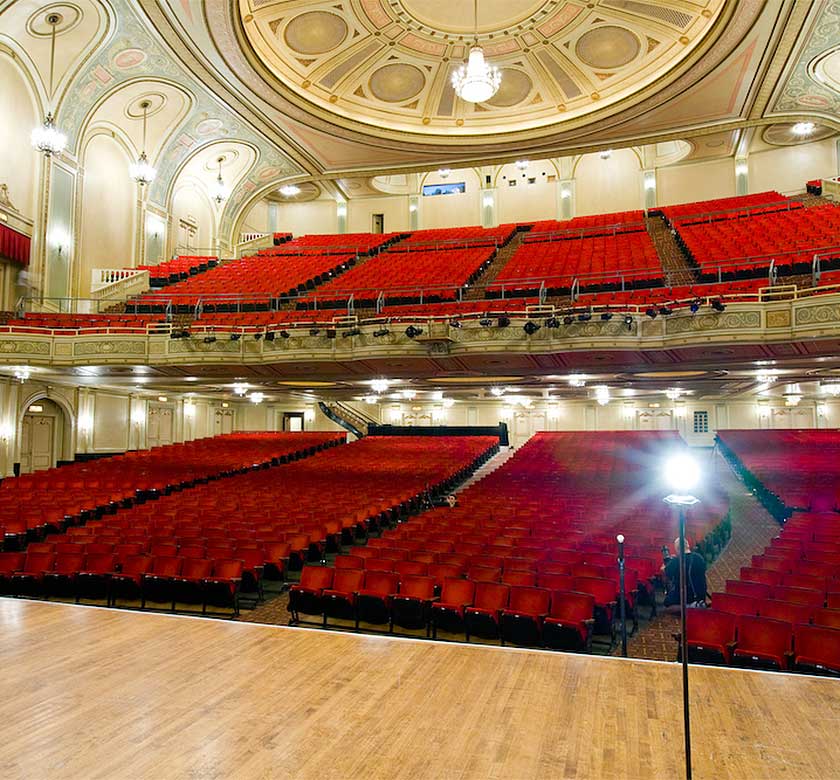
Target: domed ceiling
x=388, y=63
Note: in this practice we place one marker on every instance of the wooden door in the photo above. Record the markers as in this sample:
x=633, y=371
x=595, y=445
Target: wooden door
x=37, y=443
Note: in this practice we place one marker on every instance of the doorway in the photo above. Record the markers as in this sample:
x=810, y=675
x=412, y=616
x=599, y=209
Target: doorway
x=378, y=223
x=293, y=421
x=42, y=435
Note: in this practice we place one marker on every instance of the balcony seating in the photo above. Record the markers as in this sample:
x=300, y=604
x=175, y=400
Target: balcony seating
x=597, y=261
x=459, y=237
x=726, y=208
x=181, y=267
x=745, y=247
x=407, y=277
x=614, y=222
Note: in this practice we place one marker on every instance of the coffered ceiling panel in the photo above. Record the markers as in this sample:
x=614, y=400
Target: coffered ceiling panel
x=389, y=63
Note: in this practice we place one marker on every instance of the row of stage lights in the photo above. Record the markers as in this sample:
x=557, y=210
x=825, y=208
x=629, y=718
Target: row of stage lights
x=413, y=331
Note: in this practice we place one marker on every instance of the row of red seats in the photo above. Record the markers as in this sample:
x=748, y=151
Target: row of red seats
x=469, y=235
x=178, y=268
x=557, y=263
x=269, y=517
x=406, y=274
x=788, y=237
x=560, y=619
x=49, y=497
x=112, y=576
x=342, y=243
x=614, y=219
x=686, y=212
x=80, y=323
x=814, y=482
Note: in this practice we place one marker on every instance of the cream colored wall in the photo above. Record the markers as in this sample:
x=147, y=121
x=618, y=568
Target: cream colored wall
x=189, y=201
x=315, y=217
x=18, y=163
x=603, y=186
x=443, y=211
x=787, y=169
x=394, y=208
x=695, y=181
x=109, y=200
x=525, y=201
x=257, y=220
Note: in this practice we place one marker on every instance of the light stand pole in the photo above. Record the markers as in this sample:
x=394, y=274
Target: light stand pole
x=621, y=592
x=682, y=474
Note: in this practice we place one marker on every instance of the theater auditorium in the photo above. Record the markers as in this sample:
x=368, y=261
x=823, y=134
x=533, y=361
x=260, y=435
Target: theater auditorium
x=420, y=389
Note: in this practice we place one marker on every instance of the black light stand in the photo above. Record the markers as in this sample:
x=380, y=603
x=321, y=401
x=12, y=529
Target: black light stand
x=622, y=595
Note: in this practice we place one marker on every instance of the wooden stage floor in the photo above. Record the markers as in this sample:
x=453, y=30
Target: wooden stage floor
x=94, y=693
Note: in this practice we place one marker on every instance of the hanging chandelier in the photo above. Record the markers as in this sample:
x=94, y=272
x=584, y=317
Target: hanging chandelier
x=141, y=171
x=477, y=81
x=219, y=192
x=47, y=138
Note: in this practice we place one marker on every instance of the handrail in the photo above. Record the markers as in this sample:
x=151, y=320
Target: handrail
x=711, y=216
x=584, y=230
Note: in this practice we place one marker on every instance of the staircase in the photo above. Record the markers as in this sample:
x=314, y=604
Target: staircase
x=676, y=266
x=811, y=201
x=497, y=461
x=350, y=419
x=492, y=271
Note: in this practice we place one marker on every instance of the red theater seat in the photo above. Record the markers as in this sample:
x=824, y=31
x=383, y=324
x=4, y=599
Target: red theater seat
x=570, y=621
x=735, y=605
x=373, y=602
x=482, y=618
x=817, y=649
x=710, y=635
x=306, y=596
x=521, y=621
x=448, y=612
x=339, y=600
x=410, y=608
x=762, y=642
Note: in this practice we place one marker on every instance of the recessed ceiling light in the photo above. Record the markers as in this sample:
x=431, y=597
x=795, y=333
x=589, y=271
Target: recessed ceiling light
x=803, y=128
x=289, y=190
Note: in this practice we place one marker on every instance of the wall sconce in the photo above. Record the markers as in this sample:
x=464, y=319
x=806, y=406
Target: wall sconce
x=395, y=414
x=154, y=227
x=59, y=239
x=822, y=410
x=7, y=431
x=628, y=411
x=438, y=414
x=741, y=169
x=488, y=201
x=163, y=399
x=309, y=415
x=554, y=412
x=564, y=193
x=257, y=398
x=679, y=410
x=412, y=207
x=341, y=209
x=650, y=182
x=85, y=422
x=506, y=412
x=22, y=374
x=189, y=408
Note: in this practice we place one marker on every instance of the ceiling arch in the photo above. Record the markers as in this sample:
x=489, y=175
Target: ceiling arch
x=389, y=62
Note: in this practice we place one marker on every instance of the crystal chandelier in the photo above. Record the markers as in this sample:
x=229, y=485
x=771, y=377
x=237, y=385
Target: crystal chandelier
x=141, y=171
x=47, y=138
x=219, y=191
x=477, y=81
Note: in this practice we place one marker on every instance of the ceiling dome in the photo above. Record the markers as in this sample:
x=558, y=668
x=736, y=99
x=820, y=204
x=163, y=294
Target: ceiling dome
x=388, y=63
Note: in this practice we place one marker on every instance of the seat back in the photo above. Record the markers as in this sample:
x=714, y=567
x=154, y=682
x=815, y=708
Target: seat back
x=820, y=644
x=491, y=595
x=457, y=591
x=349, y=562
x=411, y=569
x=734, y=605
x=535, y=601
x=348, y=580
x=572, y=606
x=316, y=577
x=764, y=635
x=37, y=562
x=604, y=590
x=383, y=583
x=444, y=571
x=379, y=564
x=68, y=548
x=813, y=598
x=767, y=576
x=69, y=563
x=755, y=590
x=554, y=568
x=518, y=578
x=417, y=587
x=804, y=581
x=136, y=564
x=40, y=547
x=166, y=565
x=828, y=618
x=196, y=568
x=786, y=611
x=227, y=569
x=555, y=581
x=191, y=551
x=100, y=563
x=164, y=550
x=708, y=626
x=127, y=549
x=11, y=561
x=484, y=574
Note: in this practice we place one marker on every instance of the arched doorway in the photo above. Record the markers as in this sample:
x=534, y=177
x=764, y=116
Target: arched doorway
x=42, y=432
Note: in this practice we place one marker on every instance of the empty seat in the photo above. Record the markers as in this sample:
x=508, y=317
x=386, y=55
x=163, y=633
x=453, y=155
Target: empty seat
x=305, y=596
x=448, y=612
x=786, y=611
x=29, y=580
x=735, y=605
x=482, y=618
x=410, y=607
x=807, y=596
x=817, y=649
x=222, y=587
x=61, y=581
x=157, y=581
x=828, y=618
x=570, y=621
x=710, y=635
x=93, y=582
x=522, y=619
x=339, y=600
x=127, y=583
x=762, y=642
x=373, y=602
x=188, y=586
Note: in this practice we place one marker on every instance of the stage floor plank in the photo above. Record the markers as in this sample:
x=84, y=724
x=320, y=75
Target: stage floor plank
x=93, y=693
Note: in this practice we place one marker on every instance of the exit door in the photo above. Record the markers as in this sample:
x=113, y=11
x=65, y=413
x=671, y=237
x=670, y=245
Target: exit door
x=378, y=223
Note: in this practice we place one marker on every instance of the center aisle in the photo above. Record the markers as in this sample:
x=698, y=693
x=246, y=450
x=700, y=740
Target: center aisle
x=98, y=693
